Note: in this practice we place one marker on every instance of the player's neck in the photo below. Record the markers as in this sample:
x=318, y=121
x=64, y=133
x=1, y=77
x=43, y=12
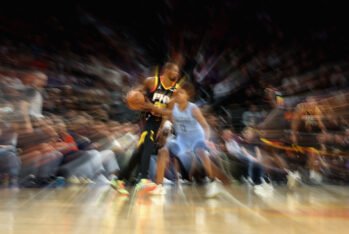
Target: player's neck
x=166, y=81
x=182, y=106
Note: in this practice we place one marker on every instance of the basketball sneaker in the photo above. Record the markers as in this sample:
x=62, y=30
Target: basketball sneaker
x=264, y=189
x=315, y=177
x=119, y=185
x=213, y=189
x=145, y=185
x=293, y=179
x=159, y=190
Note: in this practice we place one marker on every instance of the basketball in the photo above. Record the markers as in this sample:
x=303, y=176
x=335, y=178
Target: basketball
x=135, y=100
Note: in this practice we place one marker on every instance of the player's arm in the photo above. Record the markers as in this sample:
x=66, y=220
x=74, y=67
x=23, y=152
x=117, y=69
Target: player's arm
x=146, y=86
x=166, y=114
x=202, y=121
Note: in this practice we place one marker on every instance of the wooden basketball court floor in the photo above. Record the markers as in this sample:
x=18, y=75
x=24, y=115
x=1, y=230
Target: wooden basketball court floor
x=99, y=209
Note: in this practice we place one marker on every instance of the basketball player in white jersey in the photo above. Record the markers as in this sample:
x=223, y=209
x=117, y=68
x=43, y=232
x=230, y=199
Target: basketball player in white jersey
x=189, y=145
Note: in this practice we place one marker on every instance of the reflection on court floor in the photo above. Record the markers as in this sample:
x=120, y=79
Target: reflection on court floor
x=92, y=209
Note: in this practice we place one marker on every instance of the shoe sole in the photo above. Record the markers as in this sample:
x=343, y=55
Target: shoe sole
x=157, y=193
x=146, y=190
x=126, y=193
x=123, y=193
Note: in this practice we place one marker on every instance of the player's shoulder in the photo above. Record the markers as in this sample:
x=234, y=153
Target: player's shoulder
x=150, y=81
x=193, y=107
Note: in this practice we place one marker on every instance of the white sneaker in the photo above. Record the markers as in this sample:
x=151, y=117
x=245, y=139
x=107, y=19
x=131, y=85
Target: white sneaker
x=315, y=177
x=213, y=189
x=179, y=188
x=293, y=179
x=264, y=189
x=259, y=190
x=159, y=190
x=248, y=181
x=268, y=186
x=167, y=181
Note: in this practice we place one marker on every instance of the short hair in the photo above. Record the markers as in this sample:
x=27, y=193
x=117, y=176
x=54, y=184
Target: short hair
x=189, y=88
x=170, y=65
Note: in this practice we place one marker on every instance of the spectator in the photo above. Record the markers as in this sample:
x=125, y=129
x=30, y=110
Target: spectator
x=252, y=117
x=36, y=80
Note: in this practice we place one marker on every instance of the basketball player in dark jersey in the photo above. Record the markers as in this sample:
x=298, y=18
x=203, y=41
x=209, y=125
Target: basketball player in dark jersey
x=310, y=115
x=308, y=119
x=158, y=90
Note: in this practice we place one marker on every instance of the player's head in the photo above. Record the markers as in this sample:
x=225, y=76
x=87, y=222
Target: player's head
x=185, y=92
x=171, y=70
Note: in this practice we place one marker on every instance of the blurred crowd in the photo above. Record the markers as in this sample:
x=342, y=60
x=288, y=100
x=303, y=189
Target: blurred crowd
x=278, y=99
x=62, y=110
x=290, y=99
x=38, y=142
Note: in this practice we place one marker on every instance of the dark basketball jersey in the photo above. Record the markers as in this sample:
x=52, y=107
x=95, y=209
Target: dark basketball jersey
x=160, y=95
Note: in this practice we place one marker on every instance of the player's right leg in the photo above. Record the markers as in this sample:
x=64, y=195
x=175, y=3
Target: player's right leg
x=118, y=183
x=144, y=184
